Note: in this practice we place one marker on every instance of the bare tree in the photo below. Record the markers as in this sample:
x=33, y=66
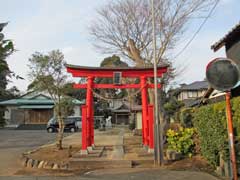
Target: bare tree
x=125, y=27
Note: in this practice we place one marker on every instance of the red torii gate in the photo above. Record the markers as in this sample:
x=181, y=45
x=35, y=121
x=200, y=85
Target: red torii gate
x=130, y=72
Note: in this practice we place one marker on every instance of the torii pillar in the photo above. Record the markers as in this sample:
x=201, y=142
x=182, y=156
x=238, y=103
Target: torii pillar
x=90, y=112
x=145, y=132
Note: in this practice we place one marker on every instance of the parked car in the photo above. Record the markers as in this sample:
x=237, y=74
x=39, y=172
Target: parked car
x=72, y=124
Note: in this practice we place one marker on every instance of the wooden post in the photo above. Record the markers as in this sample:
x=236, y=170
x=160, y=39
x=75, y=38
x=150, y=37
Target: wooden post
x=231, y=136
x=151, y=127
x=89, y=103
x=84, y=128
x=92, y=128
x=144, y=111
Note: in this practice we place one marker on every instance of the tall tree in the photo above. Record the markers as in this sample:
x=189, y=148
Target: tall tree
x=6, y=49
x=48, y=73
x=110, y=62
x=125, y=27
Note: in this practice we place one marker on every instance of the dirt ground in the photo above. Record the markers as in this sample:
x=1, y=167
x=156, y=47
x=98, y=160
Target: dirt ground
x=132, y=148
x=196, y=163
x=52, y=154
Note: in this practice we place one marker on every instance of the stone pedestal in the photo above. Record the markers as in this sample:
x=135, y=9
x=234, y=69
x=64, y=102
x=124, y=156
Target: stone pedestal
x=84, y=152
x=89, y=148
x=151, y=151
x=145, y=147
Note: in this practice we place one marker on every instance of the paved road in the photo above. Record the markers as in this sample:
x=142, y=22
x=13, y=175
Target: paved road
x=143, y=175
x=14, y=142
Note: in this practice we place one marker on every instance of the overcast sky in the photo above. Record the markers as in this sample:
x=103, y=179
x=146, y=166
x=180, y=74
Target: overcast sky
x=44, y=25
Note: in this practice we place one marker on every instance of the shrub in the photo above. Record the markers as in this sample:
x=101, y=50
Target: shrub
x=236, y=115
x=186, y=116
x=172, y=107
x=181, y=141
x=214, y=140
x=210, y=124
x=132, y=125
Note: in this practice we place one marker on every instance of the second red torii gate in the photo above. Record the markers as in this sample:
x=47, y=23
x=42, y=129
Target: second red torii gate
x=87, y=111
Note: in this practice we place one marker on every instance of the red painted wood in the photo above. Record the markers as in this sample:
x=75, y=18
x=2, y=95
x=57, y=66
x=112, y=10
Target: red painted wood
x=112, y=86
x=89, y=104
x=144, y=110
x=84, y=127
x=151, y=125
x=88, y=120
x=131, y=73
x=231, y=136
x=92, y=128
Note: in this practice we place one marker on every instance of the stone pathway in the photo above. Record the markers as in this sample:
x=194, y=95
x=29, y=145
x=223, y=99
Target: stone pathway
x=118, y=151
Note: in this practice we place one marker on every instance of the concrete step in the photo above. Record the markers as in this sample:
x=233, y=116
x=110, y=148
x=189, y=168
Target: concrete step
x=94, y=153
x=118, y=152
x=76, y=163
x=145, y=154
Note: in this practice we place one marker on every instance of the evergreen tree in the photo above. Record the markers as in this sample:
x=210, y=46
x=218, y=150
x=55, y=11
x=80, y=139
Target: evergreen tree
x=6, y=49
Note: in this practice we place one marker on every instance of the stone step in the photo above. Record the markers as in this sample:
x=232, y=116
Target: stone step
x=94, y=153
x=118, y=152
x=76, y=163
x=145, y=154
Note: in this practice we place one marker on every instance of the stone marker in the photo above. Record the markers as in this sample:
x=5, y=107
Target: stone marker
x=55, y=166
x=35, y=163
x=24, y=161
x=40, y=165
x=49, y=165
x=30, y=163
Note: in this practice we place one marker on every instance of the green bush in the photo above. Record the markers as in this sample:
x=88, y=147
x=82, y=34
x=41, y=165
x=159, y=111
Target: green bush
x=211, y=124
x=172, y=107
x=186, y=116
x=132, y=126
x=236, y=115
x=181, y=141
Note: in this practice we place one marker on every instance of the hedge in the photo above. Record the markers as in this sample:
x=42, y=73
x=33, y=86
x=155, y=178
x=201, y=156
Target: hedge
x=211, y=125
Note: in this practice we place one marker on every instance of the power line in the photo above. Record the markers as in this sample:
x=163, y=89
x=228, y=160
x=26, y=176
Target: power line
x=198, y=30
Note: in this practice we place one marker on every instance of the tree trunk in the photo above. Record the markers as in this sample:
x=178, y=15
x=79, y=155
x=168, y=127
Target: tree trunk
x=151, y=96
x=60, y=133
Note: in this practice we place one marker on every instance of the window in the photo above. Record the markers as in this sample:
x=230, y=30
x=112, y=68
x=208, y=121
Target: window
x=192, y=94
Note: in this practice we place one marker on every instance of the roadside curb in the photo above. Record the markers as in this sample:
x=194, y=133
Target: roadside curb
x=28, y=162
x=41, y=164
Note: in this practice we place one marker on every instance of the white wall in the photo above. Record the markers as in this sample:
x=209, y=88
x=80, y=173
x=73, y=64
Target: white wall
x=77, y=111
x=7, y=115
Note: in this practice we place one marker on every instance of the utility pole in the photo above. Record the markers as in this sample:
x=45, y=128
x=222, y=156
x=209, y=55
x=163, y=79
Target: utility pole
x=158, y=146
x=231, y=136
